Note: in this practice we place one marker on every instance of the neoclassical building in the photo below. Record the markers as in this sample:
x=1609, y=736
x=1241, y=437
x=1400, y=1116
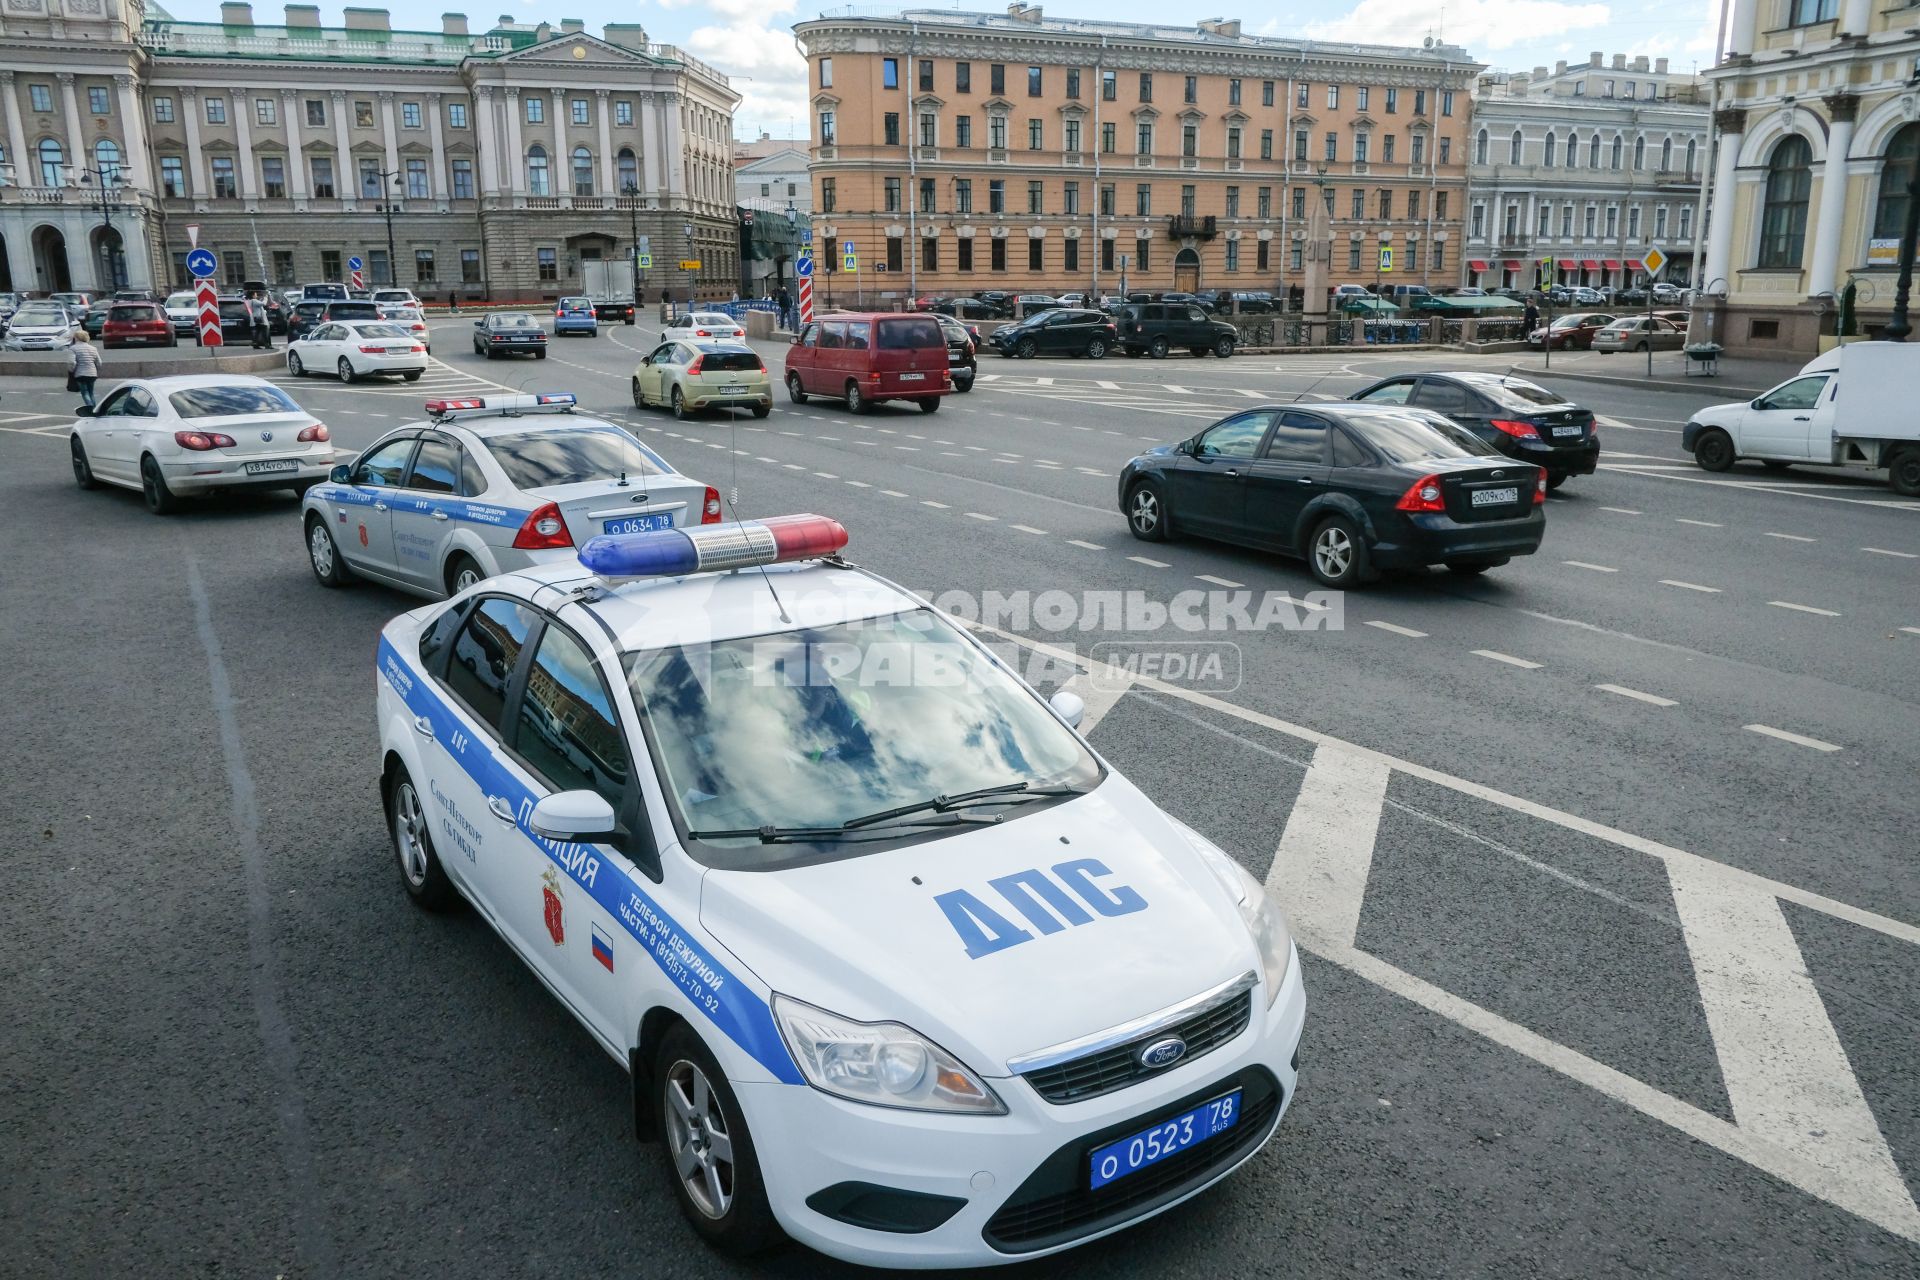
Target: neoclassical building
x=1817, y=127
x=1590, y=166
x=958, y=152
x=495, y=163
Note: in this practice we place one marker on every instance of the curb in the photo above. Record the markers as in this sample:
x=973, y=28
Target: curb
x=114, y=369
x=1693, y=386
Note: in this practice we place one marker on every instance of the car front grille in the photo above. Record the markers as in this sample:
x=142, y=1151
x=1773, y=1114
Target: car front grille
x=1117, y=1067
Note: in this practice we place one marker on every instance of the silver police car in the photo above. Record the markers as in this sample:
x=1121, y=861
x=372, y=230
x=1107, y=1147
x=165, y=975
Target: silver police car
x=488, y=485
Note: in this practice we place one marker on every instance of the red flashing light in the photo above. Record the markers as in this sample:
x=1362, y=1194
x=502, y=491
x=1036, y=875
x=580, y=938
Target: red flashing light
x=544, y=530
x=804, y=537
x=1423, y=494
x=448, y=406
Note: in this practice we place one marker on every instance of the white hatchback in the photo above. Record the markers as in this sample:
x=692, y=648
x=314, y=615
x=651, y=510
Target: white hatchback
x=702, y=324
x=355, y=349
x=898, y=965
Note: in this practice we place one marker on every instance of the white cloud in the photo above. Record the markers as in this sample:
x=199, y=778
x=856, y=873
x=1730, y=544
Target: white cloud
x=765, y=67
x=1479, y=26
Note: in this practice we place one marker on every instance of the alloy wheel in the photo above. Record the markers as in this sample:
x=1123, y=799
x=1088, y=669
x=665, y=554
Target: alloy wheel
x=698, y=1137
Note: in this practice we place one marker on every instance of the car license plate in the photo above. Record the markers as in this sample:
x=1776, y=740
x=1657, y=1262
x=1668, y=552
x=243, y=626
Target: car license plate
x=733, y=391
x=637, y=524
x=1494, y=497
x=1566, y=431
x=267, y=468
x=913, y=377
x=1168, y=1138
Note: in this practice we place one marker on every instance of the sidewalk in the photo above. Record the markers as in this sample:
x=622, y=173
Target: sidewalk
x=1739, y=376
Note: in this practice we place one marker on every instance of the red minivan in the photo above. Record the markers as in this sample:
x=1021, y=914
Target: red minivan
x=866, y=358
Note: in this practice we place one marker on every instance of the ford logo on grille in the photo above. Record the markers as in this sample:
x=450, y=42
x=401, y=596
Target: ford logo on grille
x=1162, y=1053
x=266, y=437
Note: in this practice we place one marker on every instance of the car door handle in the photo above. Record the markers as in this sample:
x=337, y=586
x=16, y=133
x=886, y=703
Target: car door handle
x=1230, y=472
x=1803, y=418
x=441, y=515
x=379, y=506
x=423, y=726
x=500, y=809
x=1305, y=479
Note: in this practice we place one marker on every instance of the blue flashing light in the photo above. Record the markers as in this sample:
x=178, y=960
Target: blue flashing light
x=556, y=397
x=660, y=554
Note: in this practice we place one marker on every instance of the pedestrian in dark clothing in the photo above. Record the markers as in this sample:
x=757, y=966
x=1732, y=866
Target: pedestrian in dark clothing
x=786, y=308
x=453, y=302
x=1531, y=318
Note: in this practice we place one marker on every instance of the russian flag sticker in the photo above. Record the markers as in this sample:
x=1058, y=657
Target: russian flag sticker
x=602, y=949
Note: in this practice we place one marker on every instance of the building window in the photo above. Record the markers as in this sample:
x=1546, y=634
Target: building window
x=1143, y=139
x=1386, y=204
x=1639, y=153
x=469, y=266
x=1566, y=222
x=627, y=171
x=892, y=196
x=1146, y=86
x=97, y=100
x=1446, y=150
x=1550, y=148
x=1590, y=221
x=1480, y=148
x=1266, y=93
x=1515, y=148
x=1070, y=251
x=1233, y=202
x=266, y=111
x=1260, y=255
x=548, y=263
x=1034, y=136
x=1299, y=202
x=1233, y=93
x=925, y=69
x=410, y=115
x=216, y=110
x=1686, y=222
x=1618, y=150
x=1419, y=109
x=1073, y=84
x=1413, y=203
x=1393, y=102
x=1440, y=206
x=1691, y=144
x=1294, y=258
x=963, y=255
x=929, y=254
x=829, y=200
x=363, y=115
x=1660, y=222
x=1439, y=262
x=927, y=188
x=316, y=109
x=826, y=128
x=1034, y=250
x=1036, y=196
x=1141, y=252
x=890, y=128
x=463, y=179
x=1783, y=219
x=1189, y=139
x=1109, y=86
x=1070, y=198
x=1593, y=152
x=963, y=195
x=1362, y=97
x=173, y=177
x=1804, y=13
x=41, y=97
x=1300, y=94
x=997, y=196
x=536, y=110
x=1419, y=148
x=1233, y=255
x=223, y=187
x=1386, y=149
x=997, y=258
x=1034, y=82
x=963, y=131
x=1545, y=227
x=1353, y=255
x=929, y=129
x=1446, y=109
x=1360, y=145
x=1266, y=144
x=1071, y=141
x=997, y=78
x=1333, y=97
x=417, y=188
x=1233, y=143
x=1332, y=150
x=896, y=254
x=273, y=177
x=1143, y=200
x=963, y=77
x=322, y=170
x=1613, y=221
x=1264, y=202
x=1191, y=91
x=623, y=112
x=163, y=110
x=1359, y=204
x=537, y=176
x=423, y=266
x=1633, y=223
x=1106, y=255
x=826, y=82
x=580, y=114
x=1896, y=172
x=1479, y=221
x=283, y=266
x=997, y=133
x=1300, y=145
x=1606, y=90
x=1410, y=258
x=889, y=73
x=330, y=265
x=370, y=180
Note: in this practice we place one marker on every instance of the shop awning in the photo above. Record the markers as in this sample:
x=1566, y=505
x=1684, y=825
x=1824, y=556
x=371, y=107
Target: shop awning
x=1612, y=264
x=1634, y=264
x=1513, y=264
x=1590, y=264
x=1568, y=264
x=1477, y=265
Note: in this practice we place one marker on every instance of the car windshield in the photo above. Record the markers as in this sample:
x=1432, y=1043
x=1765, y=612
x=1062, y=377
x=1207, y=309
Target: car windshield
x=38, y=314
x=124, y=313
x=181, y=301
x=829, y=725
x=569, y=455
x=711, y=319
x=1517, y=393
x=574, y=304
x=381, y=331
x=1411, y=437
x=231, y=401
x=513, y=322
x=1569, y=322
x=393, y=295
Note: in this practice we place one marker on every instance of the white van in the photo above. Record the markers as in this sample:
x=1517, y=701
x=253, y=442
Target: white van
x=1849, y=407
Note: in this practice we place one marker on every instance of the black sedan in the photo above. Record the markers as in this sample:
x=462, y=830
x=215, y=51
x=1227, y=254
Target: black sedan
x=1518, y=418
x=1351, y=488
x=507, y=333
x=1064, y=332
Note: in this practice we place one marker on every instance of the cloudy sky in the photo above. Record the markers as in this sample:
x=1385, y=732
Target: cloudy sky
x=752, y=40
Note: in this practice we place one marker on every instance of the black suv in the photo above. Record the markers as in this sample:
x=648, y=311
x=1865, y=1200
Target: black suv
x=960, y=350
x=1060, y=332
x=1156, y=328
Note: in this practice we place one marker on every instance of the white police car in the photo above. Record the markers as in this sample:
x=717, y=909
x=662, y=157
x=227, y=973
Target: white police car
x=898, y=964
x=433, y=507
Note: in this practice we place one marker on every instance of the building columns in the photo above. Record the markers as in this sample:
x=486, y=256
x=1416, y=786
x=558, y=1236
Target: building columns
x=296, y=162
x=1740, y=30
x=78, y=155
x=651, y=140
x=25, y=167
x=489, y=158
x=1856, y=17
x=133, y=160
x=437, y=182
x=391, y=143
x=562, y=169
x=609, y=175
x=346, y=183
x=243, y=132
x=197, y=182
x=516, y=153
x=1729, y=126
x=674, y=155
x=1824, y=273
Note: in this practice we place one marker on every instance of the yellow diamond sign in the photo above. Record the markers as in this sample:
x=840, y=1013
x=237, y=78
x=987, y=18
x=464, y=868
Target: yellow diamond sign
x=1654, y=260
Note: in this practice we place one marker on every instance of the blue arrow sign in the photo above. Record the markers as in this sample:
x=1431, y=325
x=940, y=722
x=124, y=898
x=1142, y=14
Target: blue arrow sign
x=202, y=263
x=354, y=263
x=803, y=265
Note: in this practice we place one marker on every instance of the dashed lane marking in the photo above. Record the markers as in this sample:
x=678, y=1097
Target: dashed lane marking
x=1496, y=656
x=1688, y=586
x=1396, y=629
x=1625, y=511
x=1791, y=537
x=1027, y=528
x=1151, y=564
x=1798, y=740
x=938, y=506
x=1228, y=583
x=1882, y=551
x=1597, y=568
x=980, y=515
x=1653, y=699
x=1095, y=546
x=1802, y=608
x=1703, y=524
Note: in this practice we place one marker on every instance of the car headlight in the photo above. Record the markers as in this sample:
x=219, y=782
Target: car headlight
x=883, y=1064
x=1262, y=916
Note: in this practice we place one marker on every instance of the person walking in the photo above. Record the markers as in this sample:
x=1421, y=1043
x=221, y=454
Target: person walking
x=83, y=366
x=259, y=321
x=786, y=308
x=1530, y=318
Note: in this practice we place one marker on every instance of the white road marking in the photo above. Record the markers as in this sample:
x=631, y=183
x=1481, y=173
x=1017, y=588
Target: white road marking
x=1027, y=528
x=1396, y=629
x=893, y=493
x=1106, y=386
x=1582, y=564
x=826, y=475
x=1253, y=393
x=1704, y=524
x=1298, y=603
x=1791, y=537
x=1151, y=564
x=1496, y=656
x=1688, y=586
x=1326, y=849
x=1094, y=546
x=1229, y=583
x=1625, y=511
x=793, y=466
x=1796, y=739
x=1652, y=698
x=929, y=502
x=862, y=484
x=1882, y=551
x=977, y=515
x=1802, y=608
x=1912, y=631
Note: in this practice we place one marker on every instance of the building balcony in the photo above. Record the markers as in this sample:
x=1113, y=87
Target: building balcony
x=1182, y=225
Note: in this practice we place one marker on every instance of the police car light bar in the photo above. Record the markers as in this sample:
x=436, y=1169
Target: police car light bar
x=501, y=406
x=672, y=553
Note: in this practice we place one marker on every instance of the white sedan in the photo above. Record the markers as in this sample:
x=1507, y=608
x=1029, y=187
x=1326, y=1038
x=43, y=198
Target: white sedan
x=178, y=437
x=703, y=324
x=355, y=349
x=410, y=319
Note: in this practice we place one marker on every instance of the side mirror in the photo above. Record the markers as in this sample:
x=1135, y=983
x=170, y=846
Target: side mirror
x=794, y=341
x=646, y=359
x=340, y=474
x=1069, y=706
x=574, y=815
x=480, y=323
x=83, y=411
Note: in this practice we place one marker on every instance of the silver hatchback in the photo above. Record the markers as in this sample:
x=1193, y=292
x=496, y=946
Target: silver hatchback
x=486, y=486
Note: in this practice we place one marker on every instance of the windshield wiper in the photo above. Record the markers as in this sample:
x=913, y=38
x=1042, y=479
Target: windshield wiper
x=1006, y=793
x=848, y=831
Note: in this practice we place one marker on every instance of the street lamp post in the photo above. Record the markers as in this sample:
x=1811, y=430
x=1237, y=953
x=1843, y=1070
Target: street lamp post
x=108, y=180
x=389, y=208
x=632, y=192
x=1899, y=327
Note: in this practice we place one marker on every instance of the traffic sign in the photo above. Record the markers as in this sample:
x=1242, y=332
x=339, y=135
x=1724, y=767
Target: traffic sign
x=646, y=262
x=353, y=267
x=202, y=263
x=646, y=245
x=207, y=311
x=803, y=265
x=806, y=235
x=1386, y=258
x=849, y=260
x=1654, y=259
x=689, y=264
x=354, y=263
x=193, y=235
x=1543, y=274
x=746, y=217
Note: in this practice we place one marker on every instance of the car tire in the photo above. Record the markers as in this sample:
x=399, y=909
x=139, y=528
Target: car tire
x=762, y=410
x=1026, y=349
x=963, y=383
x=411, y=377
x=1147, y=516
x=153, y=487
x=930, y=405
x=539, y=355
x=323, y=554
x=345, y=370
x=1903, y=473
x=461, y=572
x=1158, y=348
x=1337, y=554
x=411, y=830
x=678, y=403
x=294, y=366
x=1713, y=450
x=795, y=392
x=722, y=1195
x=1557, y=478
x=82, y=469
x=1097, y=349
x=639, y=396
x=1474, y=568
x=1223, y=348
x=856, y=403
x=1640, y=348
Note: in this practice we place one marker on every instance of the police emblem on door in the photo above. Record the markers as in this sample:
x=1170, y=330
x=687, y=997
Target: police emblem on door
x=553, y=906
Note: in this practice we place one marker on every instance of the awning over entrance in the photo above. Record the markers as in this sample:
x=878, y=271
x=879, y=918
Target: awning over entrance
x=1634, y=264
x=1612, y=264
x=1568, y=264
x=1513, y=264
x=1478, y=264
x=1590, y=264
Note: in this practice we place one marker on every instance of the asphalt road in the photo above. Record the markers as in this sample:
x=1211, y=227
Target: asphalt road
x=1611, y=931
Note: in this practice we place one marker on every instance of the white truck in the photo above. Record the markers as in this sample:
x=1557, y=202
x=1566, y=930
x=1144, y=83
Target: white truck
x=609, y=284
x=1853, y=406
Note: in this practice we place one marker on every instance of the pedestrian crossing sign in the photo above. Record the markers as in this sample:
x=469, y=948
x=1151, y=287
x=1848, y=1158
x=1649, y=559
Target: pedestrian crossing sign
x=850, y=260
x=1386, y=258
x=1543, y=274
x=646, y=262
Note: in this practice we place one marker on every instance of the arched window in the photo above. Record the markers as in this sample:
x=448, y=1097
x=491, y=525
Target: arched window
x=53, y=163
x=1513, y=148
x=582, y=171
x=1640, y=152
x=1666, y=154
x=1593, y=152
x=537, y=183
x=1690, y=146
x=629, y=169
x=1896, y=171
x=1619, y=147
x=1573, y=150
x=1783, y=219
x=1547, y=155
x=106, y=158
x=1480, y=148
